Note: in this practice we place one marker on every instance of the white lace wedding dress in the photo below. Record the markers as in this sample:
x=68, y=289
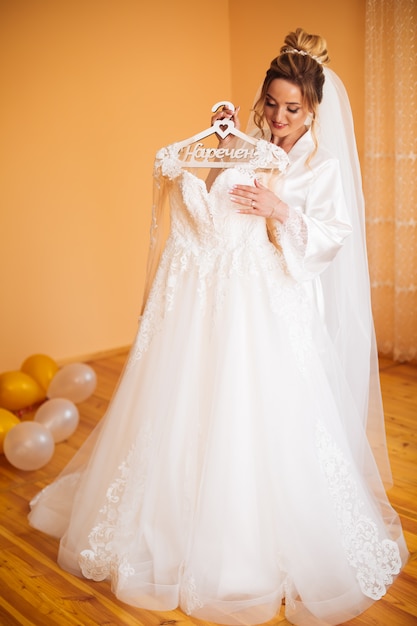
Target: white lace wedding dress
x=224, y=477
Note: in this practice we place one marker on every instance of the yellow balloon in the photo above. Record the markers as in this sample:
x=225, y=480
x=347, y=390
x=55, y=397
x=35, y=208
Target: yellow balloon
x=7, y=421
x=19, y=390
x=41, y=368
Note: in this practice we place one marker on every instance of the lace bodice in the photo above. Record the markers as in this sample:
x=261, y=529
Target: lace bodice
x=211, y=241
x=204, y=218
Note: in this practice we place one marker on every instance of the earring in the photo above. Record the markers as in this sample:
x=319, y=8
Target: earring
x=308, y=120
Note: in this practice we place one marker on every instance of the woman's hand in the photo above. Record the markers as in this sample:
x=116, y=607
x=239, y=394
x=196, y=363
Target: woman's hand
x=259, y=200
x=226, y=114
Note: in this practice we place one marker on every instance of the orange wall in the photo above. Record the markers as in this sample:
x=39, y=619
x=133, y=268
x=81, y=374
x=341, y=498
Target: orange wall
x=90, y=90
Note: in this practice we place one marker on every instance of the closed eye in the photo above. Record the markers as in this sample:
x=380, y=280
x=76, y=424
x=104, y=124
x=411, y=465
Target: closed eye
x=271, y=105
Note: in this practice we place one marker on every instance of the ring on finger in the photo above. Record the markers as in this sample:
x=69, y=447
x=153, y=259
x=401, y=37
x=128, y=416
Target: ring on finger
x=252, y=203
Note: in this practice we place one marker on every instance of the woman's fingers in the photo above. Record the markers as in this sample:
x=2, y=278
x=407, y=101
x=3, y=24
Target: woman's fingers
x=254, y=200
x=222, y=114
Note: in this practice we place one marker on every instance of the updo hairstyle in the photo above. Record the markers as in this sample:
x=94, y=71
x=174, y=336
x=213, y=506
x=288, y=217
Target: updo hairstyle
x=302, y=68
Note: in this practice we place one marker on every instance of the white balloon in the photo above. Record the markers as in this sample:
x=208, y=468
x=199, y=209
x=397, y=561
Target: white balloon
x=75, y=381
x=60, y=416
x=29, y=446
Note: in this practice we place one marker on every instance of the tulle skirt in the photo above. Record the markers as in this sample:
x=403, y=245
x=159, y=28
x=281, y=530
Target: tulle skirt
x=231, y=470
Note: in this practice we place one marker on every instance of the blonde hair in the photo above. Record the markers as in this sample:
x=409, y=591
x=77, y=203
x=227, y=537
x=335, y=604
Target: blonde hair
x=300, y=62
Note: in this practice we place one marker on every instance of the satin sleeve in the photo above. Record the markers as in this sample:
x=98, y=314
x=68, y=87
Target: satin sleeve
x=314, y=233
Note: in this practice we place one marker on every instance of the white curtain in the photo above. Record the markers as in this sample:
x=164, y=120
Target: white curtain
x=390, y=172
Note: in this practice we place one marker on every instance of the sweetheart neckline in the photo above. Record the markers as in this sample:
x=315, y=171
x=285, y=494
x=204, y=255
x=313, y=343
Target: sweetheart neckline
x=220, y=176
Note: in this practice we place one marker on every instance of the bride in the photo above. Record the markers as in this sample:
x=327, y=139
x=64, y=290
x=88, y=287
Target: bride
x=240, y=462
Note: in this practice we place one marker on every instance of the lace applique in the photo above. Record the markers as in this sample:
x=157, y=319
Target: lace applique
x=287, y=299
x=267, y=154
x=105, y=558
x=149, y=323
x=92, y=567
x=375, y=561
x=99, y=562
x=189, y=598
x=167, y=162
x=296, y=230
x=214, y=268
x=292, y=237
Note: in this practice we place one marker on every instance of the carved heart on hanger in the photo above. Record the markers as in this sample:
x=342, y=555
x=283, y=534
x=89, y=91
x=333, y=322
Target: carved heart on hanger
x=223, y=127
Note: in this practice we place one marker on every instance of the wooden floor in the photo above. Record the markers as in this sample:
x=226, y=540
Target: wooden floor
x=34, y=590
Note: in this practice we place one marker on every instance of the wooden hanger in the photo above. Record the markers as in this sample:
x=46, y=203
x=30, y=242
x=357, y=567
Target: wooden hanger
x=222, y=128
